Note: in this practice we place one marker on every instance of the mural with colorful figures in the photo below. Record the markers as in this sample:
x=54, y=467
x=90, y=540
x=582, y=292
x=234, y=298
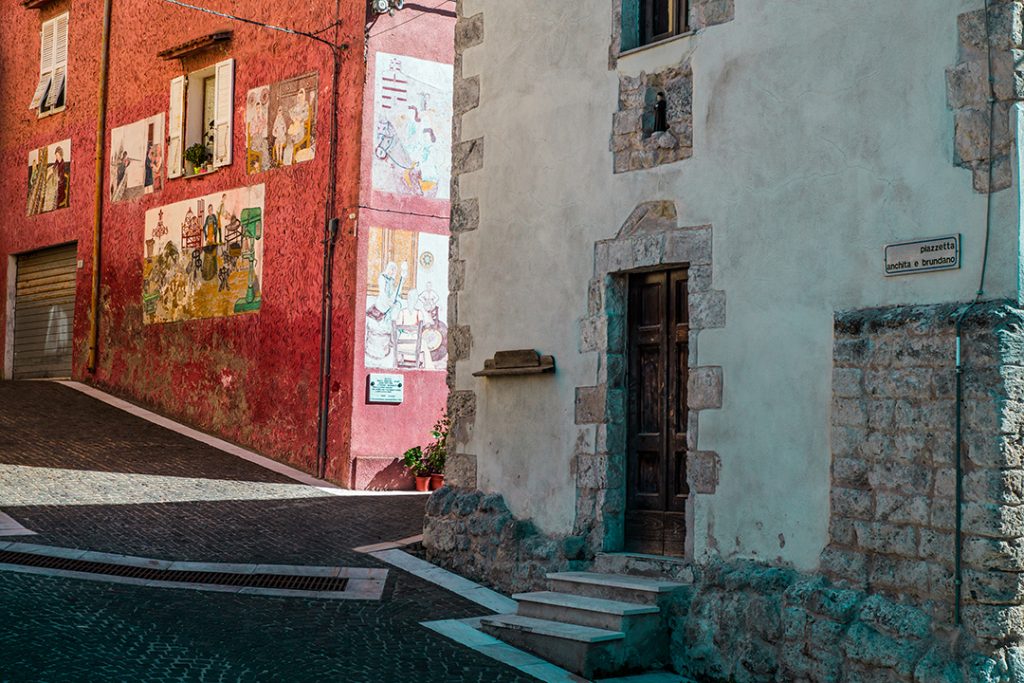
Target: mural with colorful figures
x=49, y=178
x=412, y=124
x=203, y=257
x=280, y=123
x=137, y=159
x=406, y=300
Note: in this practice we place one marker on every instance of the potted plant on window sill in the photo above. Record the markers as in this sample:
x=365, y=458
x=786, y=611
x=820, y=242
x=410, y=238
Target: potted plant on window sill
x=197, y=156
x=417, y=464
x=437, y=452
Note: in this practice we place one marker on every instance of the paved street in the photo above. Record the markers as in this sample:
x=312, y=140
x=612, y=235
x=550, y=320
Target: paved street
x=86, y=475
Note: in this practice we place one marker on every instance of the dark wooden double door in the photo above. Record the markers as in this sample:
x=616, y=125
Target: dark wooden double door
x=657, y=491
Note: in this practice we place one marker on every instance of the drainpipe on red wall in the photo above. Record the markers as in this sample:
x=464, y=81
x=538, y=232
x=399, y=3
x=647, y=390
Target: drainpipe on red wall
x=97, y=218
x=330, y=240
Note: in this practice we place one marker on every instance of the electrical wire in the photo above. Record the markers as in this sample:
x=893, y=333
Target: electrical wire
x=406, y=213
x=958, y=572
x=422, y=13
x=253, y=22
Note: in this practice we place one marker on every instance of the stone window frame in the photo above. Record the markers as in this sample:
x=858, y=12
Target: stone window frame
x=649, y=240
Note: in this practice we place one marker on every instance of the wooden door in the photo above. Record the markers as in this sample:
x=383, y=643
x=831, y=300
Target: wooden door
x=656, y=461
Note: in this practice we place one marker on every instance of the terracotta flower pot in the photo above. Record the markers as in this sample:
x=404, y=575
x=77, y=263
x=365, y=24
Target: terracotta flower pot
x=436, y=481
x=423, y=483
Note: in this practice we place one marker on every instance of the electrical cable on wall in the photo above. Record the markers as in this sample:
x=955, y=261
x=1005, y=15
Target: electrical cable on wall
x=958, y=327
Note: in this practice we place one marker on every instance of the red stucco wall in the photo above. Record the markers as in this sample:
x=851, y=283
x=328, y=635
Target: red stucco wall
x=382, y=432
x=250, y=378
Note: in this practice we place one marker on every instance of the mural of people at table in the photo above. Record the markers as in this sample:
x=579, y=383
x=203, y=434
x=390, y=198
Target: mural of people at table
x=412, y=124
x=49, y=178
x=407, y=272
x=203, y=257
x=280, y=123
x=137, y=159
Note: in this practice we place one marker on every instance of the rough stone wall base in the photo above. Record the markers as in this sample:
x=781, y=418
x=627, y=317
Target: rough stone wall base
x=475, y=535
x=744, y=621
x=739, y=621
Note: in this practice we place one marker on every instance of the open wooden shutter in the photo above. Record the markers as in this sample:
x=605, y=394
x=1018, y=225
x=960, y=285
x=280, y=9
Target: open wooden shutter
x=45, y=63
x=176, y=128
x=60, y=60
x=224, y=112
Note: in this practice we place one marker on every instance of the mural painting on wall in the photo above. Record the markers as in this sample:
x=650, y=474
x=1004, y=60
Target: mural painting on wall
x=203, y=257
x=412, y=126
x=49, y=178
x=406, y=300
x=137, y=159
x=280, y=123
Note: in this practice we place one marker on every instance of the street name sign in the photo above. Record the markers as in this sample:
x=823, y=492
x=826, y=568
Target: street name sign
x=922, y=256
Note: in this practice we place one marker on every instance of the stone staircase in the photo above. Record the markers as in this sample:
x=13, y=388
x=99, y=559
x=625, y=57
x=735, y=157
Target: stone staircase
x=594, y=624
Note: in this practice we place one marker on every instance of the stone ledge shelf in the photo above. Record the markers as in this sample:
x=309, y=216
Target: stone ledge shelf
x=521, y=362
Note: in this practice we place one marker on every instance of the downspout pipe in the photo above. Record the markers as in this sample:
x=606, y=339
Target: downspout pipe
x=330, y=240
x=97, y=217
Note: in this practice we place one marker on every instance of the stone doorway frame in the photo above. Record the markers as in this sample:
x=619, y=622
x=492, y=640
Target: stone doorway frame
x=649, y=240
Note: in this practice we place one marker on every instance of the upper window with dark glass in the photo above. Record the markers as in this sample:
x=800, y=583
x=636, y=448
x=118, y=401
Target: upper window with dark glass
x=648, y=21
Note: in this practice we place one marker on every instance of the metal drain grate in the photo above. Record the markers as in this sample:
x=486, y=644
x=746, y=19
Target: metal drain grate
x=277, y=581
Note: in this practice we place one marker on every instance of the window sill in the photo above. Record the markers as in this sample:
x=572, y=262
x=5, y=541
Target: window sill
x=201, y=174
x=659, y=43
x=58, y=110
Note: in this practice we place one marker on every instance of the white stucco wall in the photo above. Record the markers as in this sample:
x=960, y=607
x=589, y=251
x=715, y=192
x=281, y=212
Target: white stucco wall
x=821, y=132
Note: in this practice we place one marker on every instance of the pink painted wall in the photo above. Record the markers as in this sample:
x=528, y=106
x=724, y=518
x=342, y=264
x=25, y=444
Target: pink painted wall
x=250, y=378
x=380, y=433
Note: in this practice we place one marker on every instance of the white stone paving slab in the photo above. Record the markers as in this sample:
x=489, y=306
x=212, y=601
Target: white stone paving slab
x=492, y=600
x=462, y=632
x=52, y=551
x=364, y=583
x=124, y=560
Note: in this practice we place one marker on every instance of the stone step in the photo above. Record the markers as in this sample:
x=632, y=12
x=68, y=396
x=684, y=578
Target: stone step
x=614, y=615
x=641, y=564
x=649, y=677
x=582, y=650
x=622, y=587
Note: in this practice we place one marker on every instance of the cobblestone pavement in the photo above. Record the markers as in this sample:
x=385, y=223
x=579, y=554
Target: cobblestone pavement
x=86, y=475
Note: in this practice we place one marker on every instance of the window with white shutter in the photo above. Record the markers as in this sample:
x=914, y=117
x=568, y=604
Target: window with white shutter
x=176, y=127
x=224, y=112
x=201, y=120
x=51, y=90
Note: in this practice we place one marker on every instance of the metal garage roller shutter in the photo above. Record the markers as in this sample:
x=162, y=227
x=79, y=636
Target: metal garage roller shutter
x=44, y=313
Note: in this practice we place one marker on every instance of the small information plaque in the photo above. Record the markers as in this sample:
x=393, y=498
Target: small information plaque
x=381, y=388
x=921, y=256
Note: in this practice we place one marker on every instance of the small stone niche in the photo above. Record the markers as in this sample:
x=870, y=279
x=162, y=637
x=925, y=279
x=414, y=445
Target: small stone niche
x=654, y=122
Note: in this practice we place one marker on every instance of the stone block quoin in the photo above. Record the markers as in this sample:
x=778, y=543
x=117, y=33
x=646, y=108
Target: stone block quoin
x=467, y=157
x=981, y=125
